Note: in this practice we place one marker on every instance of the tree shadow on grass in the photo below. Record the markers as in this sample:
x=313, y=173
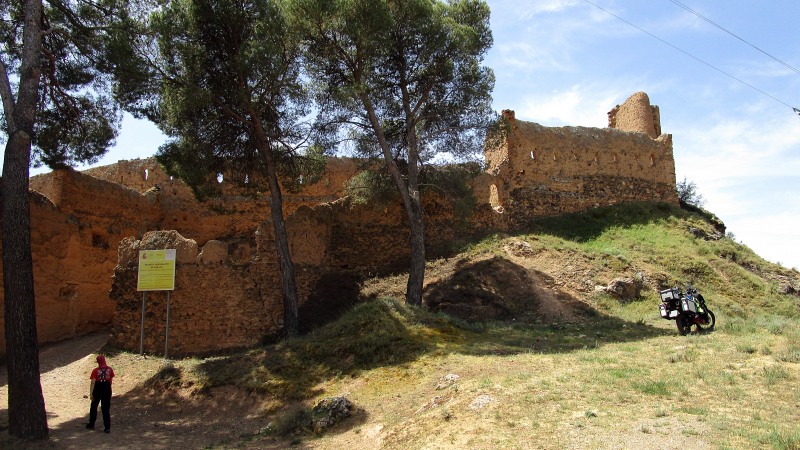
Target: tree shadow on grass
x=334, y=294
x=536, y=318
x=505, y=309
x=142, y=418
x=370, y=335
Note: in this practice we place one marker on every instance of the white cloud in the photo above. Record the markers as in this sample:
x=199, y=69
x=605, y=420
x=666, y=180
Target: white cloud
x=738, y=149
x=681, y=21
x=548, y=6
x=525, y=10
x=581, y=105
x=533, y=57
x=763, y=67
x=774, y=237
x=524, y=40
x=747, y=166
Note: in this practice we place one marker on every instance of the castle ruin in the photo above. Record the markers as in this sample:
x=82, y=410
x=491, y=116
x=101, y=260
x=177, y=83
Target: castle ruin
x=87, y=228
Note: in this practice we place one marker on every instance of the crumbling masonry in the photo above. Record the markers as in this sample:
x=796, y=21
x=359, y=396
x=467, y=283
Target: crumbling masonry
x=87, y=228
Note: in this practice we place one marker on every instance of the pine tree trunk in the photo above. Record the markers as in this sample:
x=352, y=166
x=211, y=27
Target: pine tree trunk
x=409, y=192
x=416, y=273
x=26, y=414
x=288, y=283
x=27, y=417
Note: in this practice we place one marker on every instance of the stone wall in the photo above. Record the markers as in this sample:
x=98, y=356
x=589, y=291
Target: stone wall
x=87, y=226
x=219, y=302
x=77, y=223
x=239, y=208
x=543, y=171
x=70, y=298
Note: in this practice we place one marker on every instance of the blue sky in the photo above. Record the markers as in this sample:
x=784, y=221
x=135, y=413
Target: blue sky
x=566, y=62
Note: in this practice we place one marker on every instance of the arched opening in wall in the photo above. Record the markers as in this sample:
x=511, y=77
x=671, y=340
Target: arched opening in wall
x=333, y=295
x=220, y=178
x=494, y=199
x=652, y=160
x=146, y=174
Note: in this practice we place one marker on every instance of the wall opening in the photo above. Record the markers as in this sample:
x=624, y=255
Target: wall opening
x=494, y=199
x=100, y=241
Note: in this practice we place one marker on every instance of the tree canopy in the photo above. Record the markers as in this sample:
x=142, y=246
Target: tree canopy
x=229, y=94
x=405, y=79
x=76, y=119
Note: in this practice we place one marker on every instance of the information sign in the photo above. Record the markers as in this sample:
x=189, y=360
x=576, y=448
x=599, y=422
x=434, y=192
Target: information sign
x=156, y=270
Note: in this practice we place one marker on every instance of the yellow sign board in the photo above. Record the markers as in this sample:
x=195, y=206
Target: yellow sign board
x=156, y=270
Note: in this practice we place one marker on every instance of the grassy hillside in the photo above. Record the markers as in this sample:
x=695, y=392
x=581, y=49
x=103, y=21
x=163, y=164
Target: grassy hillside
x=544, y=357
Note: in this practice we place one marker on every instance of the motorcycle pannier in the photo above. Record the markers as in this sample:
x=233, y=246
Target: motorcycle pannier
x=664, y=310
x=688, y=304
x=670, y=294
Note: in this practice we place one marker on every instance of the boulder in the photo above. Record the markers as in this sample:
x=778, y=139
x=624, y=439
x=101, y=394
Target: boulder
x=128, y=252
x=787, y=289
x=481, y=401
x=625, y=289
x=447, y=381
x=520, y=248
x=329, y=412
x=213, y=252
x=186, y=249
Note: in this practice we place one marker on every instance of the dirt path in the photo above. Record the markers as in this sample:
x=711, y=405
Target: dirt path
x=140, y=419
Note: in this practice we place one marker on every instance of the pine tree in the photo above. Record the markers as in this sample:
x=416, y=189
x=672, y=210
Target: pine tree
x=406, y=79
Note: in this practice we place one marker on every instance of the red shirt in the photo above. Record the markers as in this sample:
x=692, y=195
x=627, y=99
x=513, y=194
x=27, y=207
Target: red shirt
x=102, y=374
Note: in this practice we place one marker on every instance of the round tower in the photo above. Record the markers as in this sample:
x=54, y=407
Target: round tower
x=637, y=115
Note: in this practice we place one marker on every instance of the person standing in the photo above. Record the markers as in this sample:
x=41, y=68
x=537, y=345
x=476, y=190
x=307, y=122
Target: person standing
x=100, y=392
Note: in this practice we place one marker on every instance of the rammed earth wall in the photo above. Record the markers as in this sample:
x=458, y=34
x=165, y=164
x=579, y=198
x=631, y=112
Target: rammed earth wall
x=541, y=171
x=87, y=229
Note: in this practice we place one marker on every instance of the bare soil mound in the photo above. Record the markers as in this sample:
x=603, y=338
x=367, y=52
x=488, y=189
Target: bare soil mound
x=499, y=289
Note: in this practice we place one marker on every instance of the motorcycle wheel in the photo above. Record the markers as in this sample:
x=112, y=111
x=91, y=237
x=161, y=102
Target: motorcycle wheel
x=684, y=325
x=704, y=328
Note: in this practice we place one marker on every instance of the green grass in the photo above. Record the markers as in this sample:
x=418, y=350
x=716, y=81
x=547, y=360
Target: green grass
x=732, y=387
x=657, y=387
x=775, y=374
x=783, y=440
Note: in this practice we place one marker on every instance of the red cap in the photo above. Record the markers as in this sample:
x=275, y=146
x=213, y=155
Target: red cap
x=101, y=360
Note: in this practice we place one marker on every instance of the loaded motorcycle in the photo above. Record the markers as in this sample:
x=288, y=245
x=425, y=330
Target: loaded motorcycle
x=686, y=309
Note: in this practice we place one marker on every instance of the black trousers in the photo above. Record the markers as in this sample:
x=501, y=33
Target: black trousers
x=102, y=395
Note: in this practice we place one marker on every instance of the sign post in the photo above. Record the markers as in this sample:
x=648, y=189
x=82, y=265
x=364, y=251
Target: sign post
x=156, y=273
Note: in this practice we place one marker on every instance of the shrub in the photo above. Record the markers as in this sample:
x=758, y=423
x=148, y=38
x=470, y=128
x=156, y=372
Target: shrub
x=687, y=193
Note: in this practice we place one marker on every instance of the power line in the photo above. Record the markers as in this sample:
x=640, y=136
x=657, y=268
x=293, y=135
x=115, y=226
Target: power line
x=785, y=64
x=690, y=55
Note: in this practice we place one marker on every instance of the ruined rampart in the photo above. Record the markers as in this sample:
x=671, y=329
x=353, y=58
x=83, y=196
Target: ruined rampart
x=541, y=171
x=88, y=226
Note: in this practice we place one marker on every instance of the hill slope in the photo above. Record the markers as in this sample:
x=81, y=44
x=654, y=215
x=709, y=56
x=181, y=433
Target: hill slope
x=532, y=353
